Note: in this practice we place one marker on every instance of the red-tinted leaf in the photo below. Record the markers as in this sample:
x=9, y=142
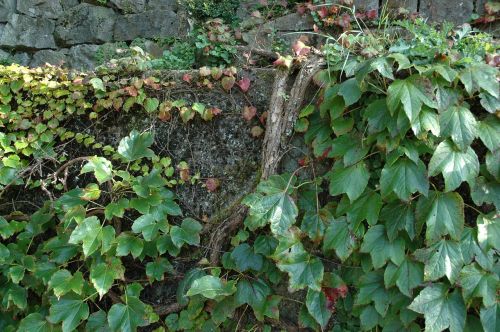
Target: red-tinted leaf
x=216, y=73
x=323, y=12
x=215, y=111
x=249, y=112
x=212, y=184
x=131, y=90
x=299, y=48
x=372, y=14
x=263, y=118
x=152, y=83
x=256, y=131
x=205, y=71
x=228, y=82
x=285, y=62
x=244, y=84
x=186, y=78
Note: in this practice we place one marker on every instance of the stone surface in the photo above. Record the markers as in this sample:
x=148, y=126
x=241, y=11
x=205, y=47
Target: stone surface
x=25, y=32
x=410, y=5
x=86, y=23
x=67, y=4
x=40, y=8
x=4, y=55
x=22, y=58
x=82, y=57
x=40, y=58
x=365, y=5
x=7, y=8
x=162, y=5
x=458, y=11
x=160, y=23
x=130, y=6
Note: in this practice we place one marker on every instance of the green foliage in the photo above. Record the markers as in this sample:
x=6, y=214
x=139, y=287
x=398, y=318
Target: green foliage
x=210, y=9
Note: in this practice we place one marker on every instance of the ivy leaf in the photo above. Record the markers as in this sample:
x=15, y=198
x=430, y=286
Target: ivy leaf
x=493, y=163
x=377, y=244
x=256, y=294
x=404, y=177
x=147, y=225
x=211, y=287
x=485, y=192
x=97, y=322
x=303, y=270
x=398, y=216
x=70, y=310
x=490, y=318
x=480, y=76
x=441, y=259
x=489, y=103
x=406, y=276
x=97, y=84
x=351, y=180
x=155, y=270
x=410, y=93
x=63, y=282
x=456, y=166
x=460, y=124
x=338, y=237
x=245, y=258
x=350, y=90
x=476, y=282
x=35, y=322
x=129, y=315
x=186, y=283
x=367, y=207
x=369, y=318
x=441, y=309
x=488, y=231
x=314, y=223
x=136, y=146
x=443, y=213
x=151, y=104
x=116, y=209
x=317, y=306
x=188, y=232
x=92, y=236
x=13, y=293
x=129, y=244
x=103, y=275
x=102, y=168
x=489, y=132
x=372, y=289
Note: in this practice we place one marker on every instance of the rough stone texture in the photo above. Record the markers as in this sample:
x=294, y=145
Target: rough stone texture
x=130, y=6
x=4, y=55
x=162, y=5
x=82, y=57
x=26, y=32
x=160, y=23
x=410, y=5
x=86, y=23
x=458, y=11
x=365, y=5
x=67, y=4
x=40, y=58
x=40, y=8
x=22, y=58
x=7, y=8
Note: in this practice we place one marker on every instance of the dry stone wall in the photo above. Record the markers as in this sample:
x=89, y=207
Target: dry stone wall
x=70, y=32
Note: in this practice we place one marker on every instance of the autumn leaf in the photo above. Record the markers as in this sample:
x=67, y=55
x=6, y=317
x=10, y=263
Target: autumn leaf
x=228, y=82
x=256, y=131
x=244, y=84
x=186, y=78
x=299, y=48
x=212, y=184
x=205, y=71
x=249, y=112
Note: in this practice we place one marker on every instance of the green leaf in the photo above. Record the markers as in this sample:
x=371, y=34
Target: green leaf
x=128, y=316
x=15, y=294
x=486, y=192
x=493, y=163
x=270, y=308
x=476, y=282
x=211, y=287
x=338, y=237
x=97, y=322
x=490, y=318
x=147, y=225
x=455, y=165
x=489, y=103
x=489, y=132
x=406, y=276
x=35, y=322
x=316, y=303
x=372, y=289
x=116, y=209
x=443, y=213
x=459, y=123
x=398, y=216
x=136, y=146
x=102, y=168
x=103, y=275
x=441, y=259
x=155, y=270
x=129, y=244
x=151, y=104
x=350, y=180
x=97, y=84
x=377, y=244
x=303, y=270
x=480, y=76
x=369, y=318
x=245, y=258
x=265, y=245
x=404, y=178
x=186, y=283
x=441, y=309
x=92, y=235
x=367, y=207
x=315, y=222
x=350, y=90
x=410, y=93
x=63, y=282
x=188, y=232
x=488, y=231
x=252, y=292
x=70, y=310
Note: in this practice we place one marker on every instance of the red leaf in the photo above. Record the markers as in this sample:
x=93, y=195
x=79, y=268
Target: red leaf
x=212, y=184
x=186, y=78
x=300, y=48
x=215, y=111
x=372, y=14
x=323, y=12
x=249, y=112
x=263, y=118
x=228, y=82
x=282, y=61
x=131, y=90
x=244, y=84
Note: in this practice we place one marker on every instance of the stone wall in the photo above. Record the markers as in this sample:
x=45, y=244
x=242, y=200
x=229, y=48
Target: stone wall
x=70, y=32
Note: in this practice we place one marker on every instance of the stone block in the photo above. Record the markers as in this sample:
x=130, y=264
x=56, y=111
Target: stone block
x=86, y=23
x=27, y=32
x=162, y=5
x=67, y=4
x=40, y=8
x=410, y=5
x=160, y=23
x=82, y=57
x=130, y=6
x=7, y=8
x=365, y=5
x=22, y=58
x=438, y=11
x=40, y=58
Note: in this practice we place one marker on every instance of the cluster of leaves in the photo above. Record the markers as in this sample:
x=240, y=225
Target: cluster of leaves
x=210, y=9
x=403, y=231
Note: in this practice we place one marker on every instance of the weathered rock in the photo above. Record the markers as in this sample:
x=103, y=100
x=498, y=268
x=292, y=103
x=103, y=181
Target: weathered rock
x=292, y=22
x=409, y=5
x=42, y=57
x=22, y=58
x=7, y=8
x=457, y=12
x=86, y=23
x=162, y=5
x=4, y=56
x=82, y=57
x=365, y=5
x=40, y=8
x=28, y=32
x=150, y=24
x=67, y=4
x=130, y=6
